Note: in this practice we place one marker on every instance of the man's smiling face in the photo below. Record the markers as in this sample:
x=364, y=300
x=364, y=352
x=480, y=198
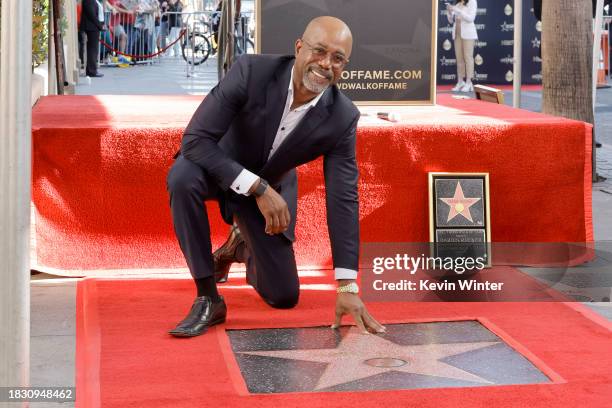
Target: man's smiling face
x=321, y=53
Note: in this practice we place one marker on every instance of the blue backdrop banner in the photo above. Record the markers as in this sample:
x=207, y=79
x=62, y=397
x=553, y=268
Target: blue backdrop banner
x=493, y=51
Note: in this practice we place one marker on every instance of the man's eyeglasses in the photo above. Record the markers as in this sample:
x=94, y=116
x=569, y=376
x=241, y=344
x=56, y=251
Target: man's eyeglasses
x=337, y=60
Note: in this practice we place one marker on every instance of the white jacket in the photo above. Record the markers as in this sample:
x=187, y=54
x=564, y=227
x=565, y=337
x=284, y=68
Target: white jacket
x=467, y=15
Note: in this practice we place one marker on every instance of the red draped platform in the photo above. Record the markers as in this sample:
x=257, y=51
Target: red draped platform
x=100, y=162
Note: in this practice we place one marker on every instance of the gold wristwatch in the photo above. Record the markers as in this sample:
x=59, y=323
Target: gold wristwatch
x=348, y=288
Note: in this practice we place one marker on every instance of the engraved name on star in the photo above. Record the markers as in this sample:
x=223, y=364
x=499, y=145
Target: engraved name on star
x=459, y=204
x=347, y=362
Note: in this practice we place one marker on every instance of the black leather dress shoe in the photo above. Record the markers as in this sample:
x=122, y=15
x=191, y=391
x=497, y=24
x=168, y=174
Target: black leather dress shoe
x=204, y=313
x=227, y=254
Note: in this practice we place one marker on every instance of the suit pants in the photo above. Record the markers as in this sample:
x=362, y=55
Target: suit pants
x=93, y=43
x=464, y=51
x=270, y=260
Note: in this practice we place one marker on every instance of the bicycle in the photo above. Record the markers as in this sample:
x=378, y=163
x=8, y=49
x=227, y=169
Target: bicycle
x=204, y=42
x=195, y=48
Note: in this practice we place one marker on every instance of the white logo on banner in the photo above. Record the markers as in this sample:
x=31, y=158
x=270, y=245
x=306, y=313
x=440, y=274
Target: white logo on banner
x=507, y=60
x=480, y=77
x=478, y=59
x=505, y=27
x=509, y=43
x=445, y=62
x=447, y=29
x=535, y=43
x=508, y=9
x=509, y=76
x=480, y=26
x=537, y=76
x=481, y=12
x=480, y=44
x=539, y=26
x=447, y=45
x=448, y=77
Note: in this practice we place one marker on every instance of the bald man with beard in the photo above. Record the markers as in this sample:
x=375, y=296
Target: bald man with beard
x=267, y=116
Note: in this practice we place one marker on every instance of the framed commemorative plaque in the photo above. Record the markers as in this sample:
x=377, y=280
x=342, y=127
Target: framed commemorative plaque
x=393, y=61
x=459, y=215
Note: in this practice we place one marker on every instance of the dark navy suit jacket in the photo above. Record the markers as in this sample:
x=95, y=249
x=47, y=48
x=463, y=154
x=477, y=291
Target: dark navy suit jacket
x=235, y=126
x=89, y=17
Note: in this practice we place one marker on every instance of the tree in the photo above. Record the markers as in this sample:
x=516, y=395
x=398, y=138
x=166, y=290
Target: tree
x=567, y=58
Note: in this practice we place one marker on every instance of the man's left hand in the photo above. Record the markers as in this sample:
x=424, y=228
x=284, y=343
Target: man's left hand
x=350, y=303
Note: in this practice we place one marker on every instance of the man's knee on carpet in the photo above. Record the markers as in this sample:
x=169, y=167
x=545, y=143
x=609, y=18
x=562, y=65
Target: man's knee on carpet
x=277, y=284
x=281, y=292
x=286, y=300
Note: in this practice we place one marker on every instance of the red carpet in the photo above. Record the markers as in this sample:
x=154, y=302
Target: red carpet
x=100, y=165
x=126, y=359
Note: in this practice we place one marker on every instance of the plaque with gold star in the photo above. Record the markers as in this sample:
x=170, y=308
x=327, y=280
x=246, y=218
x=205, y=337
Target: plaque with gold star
x=459, y=215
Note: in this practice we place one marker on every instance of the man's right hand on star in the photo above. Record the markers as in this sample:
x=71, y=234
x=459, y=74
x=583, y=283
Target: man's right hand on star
x=274, y=209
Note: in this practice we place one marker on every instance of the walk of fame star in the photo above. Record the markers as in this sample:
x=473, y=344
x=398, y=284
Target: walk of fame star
x=359, y=356
x=459, y=204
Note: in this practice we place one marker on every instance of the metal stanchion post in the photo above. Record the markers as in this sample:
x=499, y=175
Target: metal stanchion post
x=193, y=48
x=596, y=53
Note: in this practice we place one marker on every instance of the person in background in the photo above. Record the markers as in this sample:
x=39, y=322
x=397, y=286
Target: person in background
x=175, y=24
x=128, y=17
x=79, y=7
x=120, y=38
x=163, y=32
x=462, y=15
x=92, y=22
x=145, y=25
x=216, y=22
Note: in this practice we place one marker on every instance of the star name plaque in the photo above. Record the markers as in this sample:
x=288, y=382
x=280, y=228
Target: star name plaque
x=459, y=215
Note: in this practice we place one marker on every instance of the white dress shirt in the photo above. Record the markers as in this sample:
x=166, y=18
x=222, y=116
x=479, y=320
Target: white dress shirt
x=100, y=11
x=289, y=121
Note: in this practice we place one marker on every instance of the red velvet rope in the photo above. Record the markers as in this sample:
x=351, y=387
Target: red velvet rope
x=110, y=47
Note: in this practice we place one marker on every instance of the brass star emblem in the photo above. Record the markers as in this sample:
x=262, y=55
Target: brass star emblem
x=459, y=204
x=359, y=356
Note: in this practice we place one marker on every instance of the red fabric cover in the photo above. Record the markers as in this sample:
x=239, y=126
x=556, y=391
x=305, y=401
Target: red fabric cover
x=125, y=358
x=100, y=163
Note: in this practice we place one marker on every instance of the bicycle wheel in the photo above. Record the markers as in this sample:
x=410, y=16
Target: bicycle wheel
x=197, y=52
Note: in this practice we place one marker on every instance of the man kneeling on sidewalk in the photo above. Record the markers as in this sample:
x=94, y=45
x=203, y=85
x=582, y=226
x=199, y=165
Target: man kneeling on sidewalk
x=269, y=115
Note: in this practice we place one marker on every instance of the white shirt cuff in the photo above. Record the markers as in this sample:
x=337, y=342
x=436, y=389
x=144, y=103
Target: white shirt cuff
x=343, y=273
x=243, y=183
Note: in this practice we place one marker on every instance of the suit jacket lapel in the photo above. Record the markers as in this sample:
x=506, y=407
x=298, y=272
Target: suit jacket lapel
x=313, y=118
x=276, y=97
